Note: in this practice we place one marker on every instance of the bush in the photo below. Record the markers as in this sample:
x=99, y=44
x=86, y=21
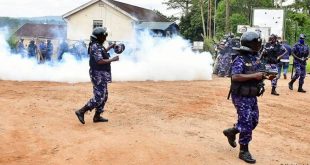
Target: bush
x=209, y=46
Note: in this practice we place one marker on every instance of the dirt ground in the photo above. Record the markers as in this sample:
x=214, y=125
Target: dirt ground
x=149, y=123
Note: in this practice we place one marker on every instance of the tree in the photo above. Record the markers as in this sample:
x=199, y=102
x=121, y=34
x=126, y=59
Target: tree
x=184, y=5
x=171, y=18
x=241, y=7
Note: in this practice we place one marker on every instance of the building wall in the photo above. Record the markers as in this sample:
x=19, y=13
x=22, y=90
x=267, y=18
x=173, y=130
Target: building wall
x=80, y=25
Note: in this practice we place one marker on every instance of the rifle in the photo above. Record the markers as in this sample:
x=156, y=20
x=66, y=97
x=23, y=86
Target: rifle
x=270, y=72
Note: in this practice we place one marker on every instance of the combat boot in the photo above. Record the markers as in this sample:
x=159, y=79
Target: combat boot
x=290, y=84
x=274, y=92
x=97, y=118
x=245, y=154
x=284, y=76
x=230, y=133
x=300, y=89
x=80, y=113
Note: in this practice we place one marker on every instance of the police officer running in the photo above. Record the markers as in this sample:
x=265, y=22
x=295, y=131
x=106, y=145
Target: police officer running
x=246, y=85
x=100, y=74
x=300, y=54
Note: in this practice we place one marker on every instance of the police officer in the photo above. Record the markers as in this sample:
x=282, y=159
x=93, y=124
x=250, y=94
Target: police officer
x=284, y=60
x=63, y=48
x=20, y=48
x=42, y=51
x=32, y=49
x=49, y=50
x=246, y=85
x=270, y=56
x=300, y=53
x=100, y=74
x=217, y=63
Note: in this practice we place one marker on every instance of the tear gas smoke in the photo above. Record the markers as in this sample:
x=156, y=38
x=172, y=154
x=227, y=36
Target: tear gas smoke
x=146, y=58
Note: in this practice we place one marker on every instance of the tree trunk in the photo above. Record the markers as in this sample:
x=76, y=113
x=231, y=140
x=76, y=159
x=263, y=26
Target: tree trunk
x=203, y=19
x=227, y=21
x=210, y=19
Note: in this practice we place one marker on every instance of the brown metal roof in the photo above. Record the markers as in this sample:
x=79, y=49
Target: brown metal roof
x=42, y=31
x=140, y=13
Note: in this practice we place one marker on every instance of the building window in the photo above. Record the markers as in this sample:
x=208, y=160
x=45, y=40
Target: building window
x=97, y=23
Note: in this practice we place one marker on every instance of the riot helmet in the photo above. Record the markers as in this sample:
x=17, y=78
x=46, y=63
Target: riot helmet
x=99, y=31
x=302, y=36
x=251, y=42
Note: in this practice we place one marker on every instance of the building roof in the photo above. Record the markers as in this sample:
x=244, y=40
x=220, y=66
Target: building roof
x=135, y=12
x=42, y=31
x=155, y=25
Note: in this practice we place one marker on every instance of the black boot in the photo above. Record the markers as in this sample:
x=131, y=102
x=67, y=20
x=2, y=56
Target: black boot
x=80, y=113
x=98, y=118
x=245, y=155
x=290, y=84
x=300, y=89
x=230, y=133
x=274, y=92
x=284, y=76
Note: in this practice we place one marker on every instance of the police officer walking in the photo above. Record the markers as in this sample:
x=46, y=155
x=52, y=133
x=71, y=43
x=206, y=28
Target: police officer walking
x=270, y=56
x=300, y=54
x=100, y=74
x=246, y=85
x=284, y=60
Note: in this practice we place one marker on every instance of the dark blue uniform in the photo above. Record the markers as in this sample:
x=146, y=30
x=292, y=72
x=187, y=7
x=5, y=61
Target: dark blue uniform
x=272, y=51
x=63, y=48
x=247, y=108
x=302, y=52
x=32, y=50
x=20, y=48
x=100, y=77
x=42, y=48
x=49, y=51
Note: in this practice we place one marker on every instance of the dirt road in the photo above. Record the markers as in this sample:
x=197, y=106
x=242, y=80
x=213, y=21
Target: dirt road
x=149, y=123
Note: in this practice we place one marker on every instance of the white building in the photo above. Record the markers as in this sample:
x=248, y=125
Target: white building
x=120, y=19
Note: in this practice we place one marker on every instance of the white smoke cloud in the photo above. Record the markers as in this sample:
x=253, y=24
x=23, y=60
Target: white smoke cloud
x=157, y=59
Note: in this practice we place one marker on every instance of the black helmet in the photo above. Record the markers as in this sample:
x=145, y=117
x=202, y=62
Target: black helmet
x=99, y=31
x=251, y=42
x=302, y=36
x=119, y=48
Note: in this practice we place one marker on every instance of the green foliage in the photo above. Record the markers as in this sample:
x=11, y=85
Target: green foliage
x=191, y=24
x=237, y=19
x=184, y=5
x=297, y=23
x=171, y=18
x=12, y=41
x=209, y=45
